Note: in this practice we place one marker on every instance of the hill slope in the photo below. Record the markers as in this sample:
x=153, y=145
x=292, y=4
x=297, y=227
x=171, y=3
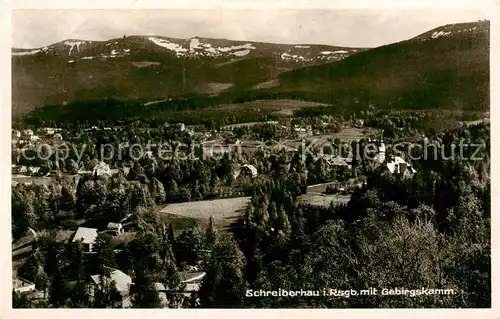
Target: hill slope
x=447, y=67
x=152, y=67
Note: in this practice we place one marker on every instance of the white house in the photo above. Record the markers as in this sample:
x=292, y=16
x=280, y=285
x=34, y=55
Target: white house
x=397, y=165
x=88, y=237
x=101, y=169
x=21, y=285
x=246, y=169
x=359, y=123
x=337, y=161
x=16, y=134
x=33, y=170
x=48, y=130
x=117, y=228
x=58, y=137
x=192, y=280
x=181, y=126
x=393, y=164
x=122, y=282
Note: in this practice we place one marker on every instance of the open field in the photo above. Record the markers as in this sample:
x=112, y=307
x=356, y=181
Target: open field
x=347, y=134
x=215, y=87
x=319, y=199
x=319, y=188
x=30, y=180
x=273, y=105
x=223, y=211
x=247, y=124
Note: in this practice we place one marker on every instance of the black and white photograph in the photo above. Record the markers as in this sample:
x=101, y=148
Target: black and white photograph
x=228, y=157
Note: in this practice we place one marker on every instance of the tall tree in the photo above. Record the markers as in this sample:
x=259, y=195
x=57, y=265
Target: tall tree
x=58, y=289
x=144, y=294
x=104, y=253
x=224, y=285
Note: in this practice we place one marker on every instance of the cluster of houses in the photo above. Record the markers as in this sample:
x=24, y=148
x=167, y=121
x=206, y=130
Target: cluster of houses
x=28, y=137
x=191, y=280
x=382, y=163
x=21, y=172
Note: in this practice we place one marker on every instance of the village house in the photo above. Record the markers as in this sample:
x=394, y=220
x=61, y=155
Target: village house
x=160, y=289
x=303, y=131
x=16, y=134
x=21, y=285
x=57, y=137
x=181, y=126
x=32, y=170
x=392, y=164
x=246, y=169
x=19, y=169
x=47, y=130
x=334, y=160
x=88, y=237
x=397, y=165
x=93, y=128
x=193, y=281
x=359, y=123
x=122, y=282
x=116, y=228
x=101, y=169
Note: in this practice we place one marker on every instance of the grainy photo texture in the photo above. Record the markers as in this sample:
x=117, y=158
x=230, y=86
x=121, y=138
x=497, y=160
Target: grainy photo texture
x=230, y=158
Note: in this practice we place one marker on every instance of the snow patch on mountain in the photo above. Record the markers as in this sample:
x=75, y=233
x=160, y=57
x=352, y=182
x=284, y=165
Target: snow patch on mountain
x=438, y=34
x=198, y=48
x=26, y=52
x=302, y=46
x=247, y=46
x=295, y=57
x=194, y=44
x=211, y=50
x=168, y=45
x=467, y=30
x=72, y=44
x=334, y=52
x=241, y=53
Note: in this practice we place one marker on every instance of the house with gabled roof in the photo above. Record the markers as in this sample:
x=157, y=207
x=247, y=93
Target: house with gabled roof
x=21, y=285
x=116, y=228
x=392, y=164
x=246, y=169
x=121, y=280
x=88, y=237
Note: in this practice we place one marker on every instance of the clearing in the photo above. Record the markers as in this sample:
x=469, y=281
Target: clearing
x=223, y=211
x=319, y=199
x=272, y=105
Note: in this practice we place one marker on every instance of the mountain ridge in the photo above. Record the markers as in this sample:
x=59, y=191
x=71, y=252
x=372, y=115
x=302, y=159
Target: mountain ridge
x=153, y=67
x=405, y=74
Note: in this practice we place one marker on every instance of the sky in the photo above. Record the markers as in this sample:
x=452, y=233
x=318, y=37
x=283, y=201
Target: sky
x=340, y=27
